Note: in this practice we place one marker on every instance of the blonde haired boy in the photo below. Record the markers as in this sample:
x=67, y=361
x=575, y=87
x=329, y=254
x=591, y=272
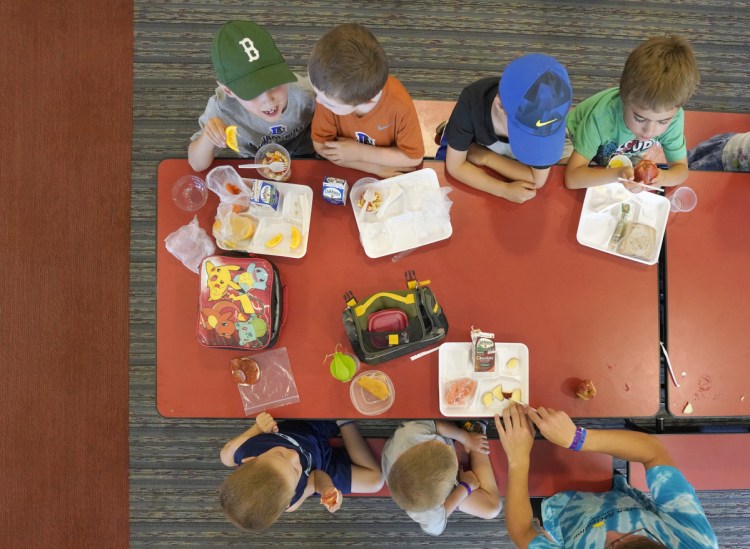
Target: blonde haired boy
x=423, y=475
x=365, y=119
x=645, y=111
x=281, y=465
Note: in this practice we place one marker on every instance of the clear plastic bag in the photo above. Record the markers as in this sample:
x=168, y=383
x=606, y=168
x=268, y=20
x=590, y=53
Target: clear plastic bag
x=275, y=386
x=228, y=185
x=190, y=244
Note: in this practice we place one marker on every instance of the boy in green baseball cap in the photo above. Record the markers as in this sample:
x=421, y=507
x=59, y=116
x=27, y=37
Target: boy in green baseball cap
x=257, y=93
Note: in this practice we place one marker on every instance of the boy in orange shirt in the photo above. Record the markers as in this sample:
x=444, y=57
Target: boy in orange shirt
x=364, y=119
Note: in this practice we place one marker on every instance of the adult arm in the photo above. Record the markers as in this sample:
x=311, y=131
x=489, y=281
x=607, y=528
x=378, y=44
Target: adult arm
x=558, y=428
x=517, y=437
x=264, y=423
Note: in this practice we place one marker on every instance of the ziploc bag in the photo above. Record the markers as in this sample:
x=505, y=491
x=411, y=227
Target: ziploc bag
x=275, y=386
x=190, y=244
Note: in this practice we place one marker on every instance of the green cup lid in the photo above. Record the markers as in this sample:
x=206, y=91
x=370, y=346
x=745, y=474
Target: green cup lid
x=342, y=367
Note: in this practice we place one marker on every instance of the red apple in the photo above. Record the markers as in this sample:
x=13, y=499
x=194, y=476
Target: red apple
x=645, y=171
x=585, y=389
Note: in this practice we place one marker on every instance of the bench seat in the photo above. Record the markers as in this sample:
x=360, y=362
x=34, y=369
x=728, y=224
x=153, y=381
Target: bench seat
x=699, y=125
x=553, y=469
x=709, y=461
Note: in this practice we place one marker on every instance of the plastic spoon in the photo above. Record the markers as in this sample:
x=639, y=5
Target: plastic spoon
x=275, y=166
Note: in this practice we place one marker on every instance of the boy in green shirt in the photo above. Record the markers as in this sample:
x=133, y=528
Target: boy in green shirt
x=645, y=111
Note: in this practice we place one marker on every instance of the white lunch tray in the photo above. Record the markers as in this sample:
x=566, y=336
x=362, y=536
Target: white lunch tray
x=601, y=212
x=416, y=217
x=455, y=362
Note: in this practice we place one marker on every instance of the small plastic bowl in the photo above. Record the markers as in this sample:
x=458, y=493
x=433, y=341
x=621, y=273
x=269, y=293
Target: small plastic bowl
x=263, y=156
x=189, y=193
x=365, y=402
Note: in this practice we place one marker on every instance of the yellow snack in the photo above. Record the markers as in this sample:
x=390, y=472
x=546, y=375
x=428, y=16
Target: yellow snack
x=374, y=386
x=616, y=163
x=516, y=395
x=275, y=241
x=498, y=393
x=512, y=363
x=487, y=399
x=231, y=133
x=296, y=239
x=242, y=227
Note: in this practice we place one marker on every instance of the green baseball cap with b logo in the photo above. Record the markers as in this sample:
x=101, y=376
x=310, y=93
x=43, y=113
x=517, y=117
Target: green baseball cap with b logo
x=247, y=61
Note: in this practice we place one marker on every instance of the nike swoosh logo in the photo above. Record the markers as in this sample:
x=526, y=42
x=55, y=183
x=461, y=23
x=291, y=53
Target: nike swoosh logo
x=540, y=124
x=381, y=128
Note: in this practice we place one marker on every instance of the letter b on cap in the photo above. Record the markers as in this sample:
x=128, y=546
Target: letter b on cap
x=250, y=49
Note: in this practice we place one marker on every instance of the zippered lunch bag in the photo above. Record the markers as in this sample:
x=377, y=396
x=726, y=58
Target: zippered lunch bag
x=241, y=303
x=391, y=324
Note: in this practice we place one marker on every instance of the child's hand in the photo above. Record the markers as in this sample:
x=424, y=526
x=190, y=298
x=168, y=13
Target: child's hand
x=476, y=442
x=555, y=425
x=625, y=176
x=342, y=150
x=331, y=499
x=215, y=131
x=518, y=191
x=516, y=433
x=266, y=423
x=469, y=478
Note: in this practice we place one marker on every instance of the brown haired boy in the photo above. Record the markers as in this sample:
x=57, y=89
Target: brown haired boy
x=280, y=466
x=645, y=111
x=421, y=469
x=365, y=119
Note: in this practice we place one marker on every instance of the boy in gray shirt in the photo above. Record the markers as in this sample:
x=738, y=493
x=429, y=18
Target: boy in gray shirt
x=257, y=93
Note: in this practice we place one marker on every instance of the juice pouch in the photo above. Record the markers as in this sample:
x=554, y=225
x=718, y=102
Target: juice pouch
x=482, y=350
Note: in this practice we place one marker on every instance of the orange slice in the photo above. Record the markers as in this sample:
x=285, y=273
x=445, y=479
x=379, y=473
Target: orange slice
x=374, y=386
x=242, y=227
x=296, y=239
x=274, y=241
x=231, y=133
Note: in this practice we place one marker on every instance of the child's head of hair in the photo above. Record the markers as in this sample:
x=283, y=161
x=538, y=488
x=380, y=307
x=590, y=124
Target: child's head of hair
x=247, y=61
x=348, y=64
x=423, y=476
x=660, y=74
x=254, y=496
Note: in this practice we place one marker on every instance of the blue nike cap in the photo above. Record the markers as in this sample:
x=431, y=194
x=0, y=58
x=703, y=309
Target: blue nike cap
x=536, y=95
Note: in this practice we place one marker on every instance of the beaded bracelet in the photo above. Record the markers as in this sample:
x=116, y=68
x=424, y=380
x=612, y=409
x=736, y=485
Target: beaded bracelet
x=465, y=485
x=578, y=439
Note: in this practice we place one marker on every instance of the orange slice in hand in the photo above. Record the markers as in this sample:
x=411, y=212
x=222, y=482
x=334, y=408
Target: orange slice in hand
x=231, y=133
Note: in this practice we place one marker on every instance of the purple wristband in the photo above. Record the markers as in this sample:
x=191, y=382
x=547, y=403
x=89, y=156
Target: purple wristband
x=578, y=439
x=465, y=485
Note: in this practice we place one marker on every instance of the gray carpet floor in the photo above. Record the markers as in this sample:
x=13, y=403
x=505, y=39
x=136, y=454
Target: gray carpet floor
x=435, y=49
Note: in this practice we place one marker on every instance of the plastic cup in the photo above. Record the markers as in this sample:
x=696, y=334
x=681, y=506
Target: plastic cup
x=265, y=155
x=683, y=199
x=189, y=193
x=619, y=161
x=344, y=366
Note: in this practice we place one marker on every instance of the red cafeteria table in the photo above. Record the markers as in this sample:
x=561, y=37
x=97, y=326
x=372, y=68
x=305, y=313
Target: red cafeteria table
x=708, y=301
x=513, y=269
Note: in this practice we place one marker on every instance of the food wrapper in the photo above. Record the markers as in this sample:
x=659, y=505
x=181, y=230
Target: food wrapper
x=275, y=386
x=190, y=244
